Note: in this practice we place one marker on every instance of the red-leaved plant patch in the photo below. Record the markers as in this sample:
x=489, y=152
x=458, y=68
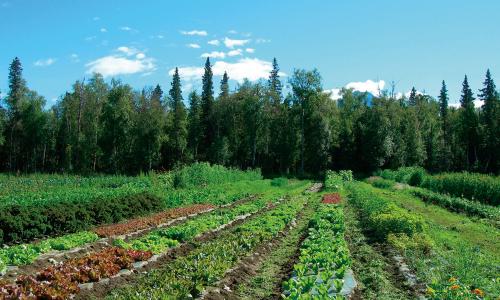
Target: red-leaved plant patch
x=61, y=281
x=150, y=221
x=331, y=198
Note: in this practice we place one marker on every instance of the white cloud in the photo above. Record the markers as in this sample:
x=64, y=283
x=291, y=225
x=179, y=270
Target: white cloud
x=121, y=64
x=235, y=52
x=373, y=87
x=477, y=104
x=125, y=28
x=232, y=31
x=334, y=94
x=250, y=50
x=127, y=50
x=214, y=42
x=158, y=36
x=193, y=45
x=45, y=62
x=214, y=54
x=189, y=73
x=230, y=43
x=90, y=38
x=103, y=30
x=195, y=32
x=250, y=68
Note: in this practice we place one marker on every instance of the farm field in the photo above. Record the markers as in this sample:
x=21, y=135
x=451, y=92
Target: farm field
x=208, y=232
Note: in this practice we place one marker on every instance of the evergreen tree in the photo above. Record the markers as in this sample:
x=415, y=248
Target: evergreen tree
x=490, y=119
x=157, y=94
x=412, y=100
x=468, y=130
x=224, y=86
x=194, y=124
x=207, y=103
x=177, y=133
x=443, y=107
x=275, y=86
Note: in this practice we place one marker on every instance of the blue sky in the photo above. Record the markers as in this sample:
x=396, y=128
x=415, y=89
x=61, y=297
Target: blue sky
x=411, y=43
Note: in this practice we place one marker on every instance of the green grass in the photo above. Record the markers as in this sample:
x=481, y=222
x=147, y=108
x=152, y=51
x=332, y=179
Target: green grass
x=464, y=249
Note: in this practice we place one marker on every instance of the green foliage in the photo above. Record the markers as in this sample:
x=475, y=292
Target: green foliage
x=200, y=174
x=458, y=204
x=280, y=181
x=27, y=253
x=381, y=215
x=408, y=175
x=473, y=186
x=324, y=258
x=419, y=242
x=335, y=180
x=383, y=183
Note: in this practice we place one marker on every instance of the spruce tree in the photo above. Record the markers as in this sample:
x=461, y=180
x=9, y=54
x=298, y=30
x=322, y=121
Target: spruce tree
x=468, y=132
x=157, y=93
x=443, y=108
x=224, y=86
x=17, y=85
x=207, y=103
x=412, y=100
x=178, y=127
x=275, y=86
x=194, y=124
x=490, y=122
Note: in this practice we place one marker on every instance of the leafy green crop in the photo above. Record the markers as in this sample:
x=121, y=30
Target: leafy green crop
x=324, y=258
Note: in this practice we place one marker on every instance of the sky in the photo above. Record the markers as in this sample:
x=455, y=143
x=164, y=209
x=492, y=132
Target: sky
x=359, y=43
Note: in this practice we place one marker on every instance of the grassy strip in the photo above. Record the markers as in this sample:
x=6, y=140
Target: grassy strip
x=465, y=252
x=324, y=258
x=187, y=276
x=267, y=281
x=372, y=270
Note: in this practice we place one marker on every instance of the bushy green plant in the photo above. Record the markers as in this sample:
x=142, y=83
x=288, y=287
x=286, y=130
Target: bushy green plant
x=280, y=181
x=383, y=183
x=381, y=215
x=419, y=242
x=335, y=180
x=200, y=174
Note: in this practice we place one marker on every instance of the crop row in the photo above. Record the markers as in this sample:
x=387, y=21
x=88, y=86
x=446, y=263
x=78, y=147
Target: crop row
x=187, y=277
x=335, y=180
x=161, y=239
x=26, y=253
x=457, y=204
x=141, y=223
x=61, y=281
x=473, y=186
x=381, y=215
x=324, y=258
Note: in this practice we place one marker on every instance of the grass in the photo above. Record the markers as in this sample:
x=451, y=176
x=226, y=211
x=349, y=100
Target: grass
x=464, y=249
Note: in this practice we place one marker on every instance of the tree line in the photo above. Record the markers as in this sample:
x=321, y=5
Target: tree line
x=109, y=127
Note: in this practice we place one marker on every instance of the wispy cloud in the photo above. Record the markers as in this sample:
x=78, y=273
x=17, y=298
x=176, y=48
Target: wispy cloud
x=74, y=57
x=125, y=28
x=250, y=50
x=90, y=38
x=193, y=45
x=235, y=52
x=45, y=62
x=373, y=87
x=262, y=41
x=103, y=30
x=96, y=18
x=214, y=42
x=230, y=43
x=195, y=32
x=232, y=31
x=122, y=63
x=214, y=54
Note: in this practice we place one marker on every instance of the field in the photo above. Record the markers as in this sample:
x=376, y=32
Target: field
x=208, y=232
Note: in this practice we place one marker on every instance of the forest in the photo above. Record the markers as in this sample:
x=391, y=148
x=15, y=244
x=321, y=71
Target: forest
x=282, y=127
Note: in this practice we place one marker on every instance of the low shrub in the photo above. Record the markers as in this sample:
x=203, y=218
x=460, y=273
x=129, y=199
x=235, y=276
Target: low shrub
x=383, y=183
x=280, y=181
x=335, y=180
